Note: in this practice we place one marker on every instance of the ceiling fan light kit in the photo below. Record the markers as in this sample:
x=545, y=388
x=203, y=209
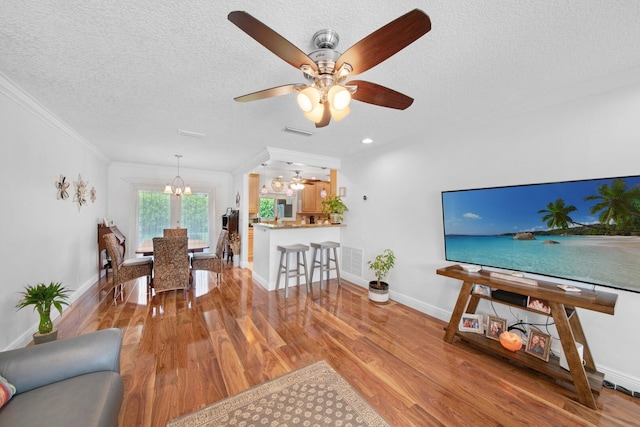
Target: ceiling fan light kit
x=328, y=96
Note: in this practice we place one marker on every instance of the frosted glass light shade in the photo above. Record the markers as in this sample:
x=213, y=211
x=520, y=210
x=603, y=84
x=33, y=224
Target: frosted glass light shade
x=315, y=115
x=338, y=115
x=308, y=99
x=339, y=97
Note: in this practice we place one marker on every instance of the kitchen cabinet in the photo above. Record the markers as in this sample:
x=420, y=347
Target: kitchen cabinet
x=250, y=244
x=254, y=193
x=308, y=199
x=311, y=196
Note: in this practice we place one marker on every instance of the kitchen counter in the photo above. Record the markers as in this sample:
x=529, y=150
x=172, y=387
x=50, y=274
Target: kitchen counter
x=268, y=236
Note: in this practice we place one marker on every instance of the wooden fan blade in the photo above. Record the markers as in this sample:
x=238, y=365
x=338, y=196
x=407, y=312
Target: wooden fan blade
x=269, y=93
x=273, y=41
x=375, y=94
x=386, y=41
x=326, y=116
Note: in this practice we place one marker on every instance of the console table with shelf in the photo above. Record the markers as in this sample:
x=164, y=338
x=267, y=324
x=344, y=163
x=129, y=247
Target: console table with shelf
x=584, y=377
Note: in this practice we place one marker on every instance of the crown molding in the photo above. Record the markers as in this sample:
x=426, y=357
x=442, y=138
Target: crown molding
x=29, y=103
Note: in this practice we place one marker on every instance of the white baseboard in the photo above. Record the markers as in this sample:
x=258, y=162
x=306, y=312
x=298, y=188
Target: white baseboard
x=619, y=378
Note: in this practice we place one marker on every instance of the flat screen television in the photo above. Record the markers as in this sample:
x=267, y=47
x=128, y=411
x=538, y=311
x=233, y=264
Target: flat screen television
x=585, y=231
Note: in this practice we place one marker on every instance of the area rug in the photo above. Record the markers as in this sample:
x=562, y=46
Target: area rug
x=311, y=396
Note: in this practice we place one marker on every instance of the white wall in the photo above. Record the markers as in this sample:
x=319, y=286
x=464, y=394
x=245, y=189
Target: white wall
x=594, y=136
x=126, y=178
x=43, y=239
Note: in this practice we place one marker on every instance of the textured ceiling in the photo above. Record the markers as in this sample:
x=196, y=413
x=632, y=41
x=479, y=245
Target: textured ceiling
x=127, y=74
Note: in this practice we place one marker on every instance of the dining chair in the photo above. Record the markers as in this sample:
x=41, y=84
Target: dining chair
x=175, y=232
x=125, y=269
x=211, y=261
x=171, y=263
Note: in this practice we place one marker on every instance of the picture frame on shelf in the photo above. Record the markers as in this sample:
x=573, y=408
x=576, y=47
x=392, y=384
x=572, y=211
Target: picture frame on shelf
x=539, y=304
x=539, y=344
x=495, y=326
x=482, y=290
x=472, y=323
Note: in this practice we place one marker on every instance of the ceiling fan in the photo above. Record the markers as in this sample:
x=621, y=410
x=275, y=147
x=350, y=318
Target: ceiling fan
x=297, y=181
x=329, y=95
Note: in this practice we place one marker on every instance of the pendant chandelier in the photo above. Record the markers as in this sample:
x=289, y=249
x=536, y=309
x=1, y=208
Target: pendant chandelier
x=177, y=186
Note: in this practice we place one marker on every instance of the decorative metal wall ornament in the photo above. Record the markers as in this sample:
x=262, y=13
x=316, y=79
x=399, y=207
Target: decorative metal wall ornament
x=93, y=194
x=62, y=185
x=277, y=184
x=80, y=195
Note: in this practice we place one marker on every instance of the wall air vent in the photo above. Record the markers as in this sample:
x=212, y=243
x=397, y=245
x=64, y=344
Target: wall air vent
x=297, y=131
x=352, y=260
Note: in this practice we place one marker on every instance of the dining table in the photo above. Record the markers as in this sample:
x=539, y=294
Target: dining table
x=194, y=245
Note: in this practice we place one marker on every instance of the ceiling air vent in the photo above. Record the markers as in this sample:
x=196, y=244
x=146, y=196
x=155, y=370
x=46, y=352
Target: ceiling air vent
x=297, y=131
x=190, y=133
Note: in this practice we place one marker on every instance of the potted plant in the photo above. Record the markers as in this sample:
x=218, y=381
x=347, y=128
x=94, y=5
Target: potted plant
x=42, y=297
x=334, y=207
x=381, y=266
x=234, y=245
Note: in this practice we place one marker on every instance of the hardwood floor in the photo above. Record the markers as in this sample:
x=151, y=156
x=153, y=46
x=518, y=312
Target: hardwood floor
x=180, y=354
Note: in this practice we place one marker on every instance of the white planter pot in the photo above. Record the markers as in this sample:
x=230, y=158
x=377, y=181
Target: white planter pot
x=379, y=296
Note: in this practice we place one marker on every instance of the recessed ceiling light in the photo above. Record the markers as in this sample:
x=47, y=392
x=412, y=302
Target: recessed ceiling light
x=367, y=141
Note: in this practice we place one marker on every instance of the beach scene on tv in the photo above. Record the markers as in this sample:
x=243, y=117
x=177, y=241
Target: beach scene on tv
x=586, y=231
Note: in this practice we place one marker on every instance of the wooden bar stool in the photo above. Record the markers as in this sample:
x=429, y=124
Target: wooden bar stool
x=300, y=252
x=324, y=263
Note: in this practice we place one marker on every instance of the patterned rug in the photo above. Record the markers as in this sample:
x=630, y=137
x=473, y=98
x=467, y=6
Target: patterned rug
x=311, y=396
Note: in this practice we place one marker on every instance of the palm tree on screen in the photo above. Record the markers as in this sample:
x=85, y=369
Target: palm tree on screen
x=616, y=204
x=557, y=214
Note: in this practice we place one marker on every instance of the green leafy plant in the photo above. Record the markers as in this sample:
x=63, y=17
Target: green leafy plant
x=333, y=204
x=42, y=297
x=382, y=265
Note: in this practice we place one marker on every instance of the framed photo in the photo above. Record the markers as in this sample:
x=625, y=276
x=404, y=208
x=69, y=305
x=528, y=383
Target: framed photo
x=539, y=305
x=539, y=344
x=483, y=290
x=495, y=326
x=471, y=323
x=229, y=211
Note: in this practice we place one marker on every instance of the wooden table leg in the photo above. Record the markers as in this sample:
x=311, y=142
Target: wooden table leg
x=578, y=334
x=565, y=333
x=458, y=311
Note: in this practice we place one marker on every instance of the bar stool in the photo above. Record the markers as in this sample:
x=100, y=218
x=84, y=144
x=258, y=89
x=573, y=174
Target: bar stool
x=300, y=252
x=324, y=263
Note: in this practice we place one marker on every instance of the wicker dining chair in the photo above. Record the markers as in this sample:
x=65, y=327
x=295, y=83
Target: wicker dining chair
x=171, y=263
x=125, y=269
x=174, y=232
x=211, y=261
